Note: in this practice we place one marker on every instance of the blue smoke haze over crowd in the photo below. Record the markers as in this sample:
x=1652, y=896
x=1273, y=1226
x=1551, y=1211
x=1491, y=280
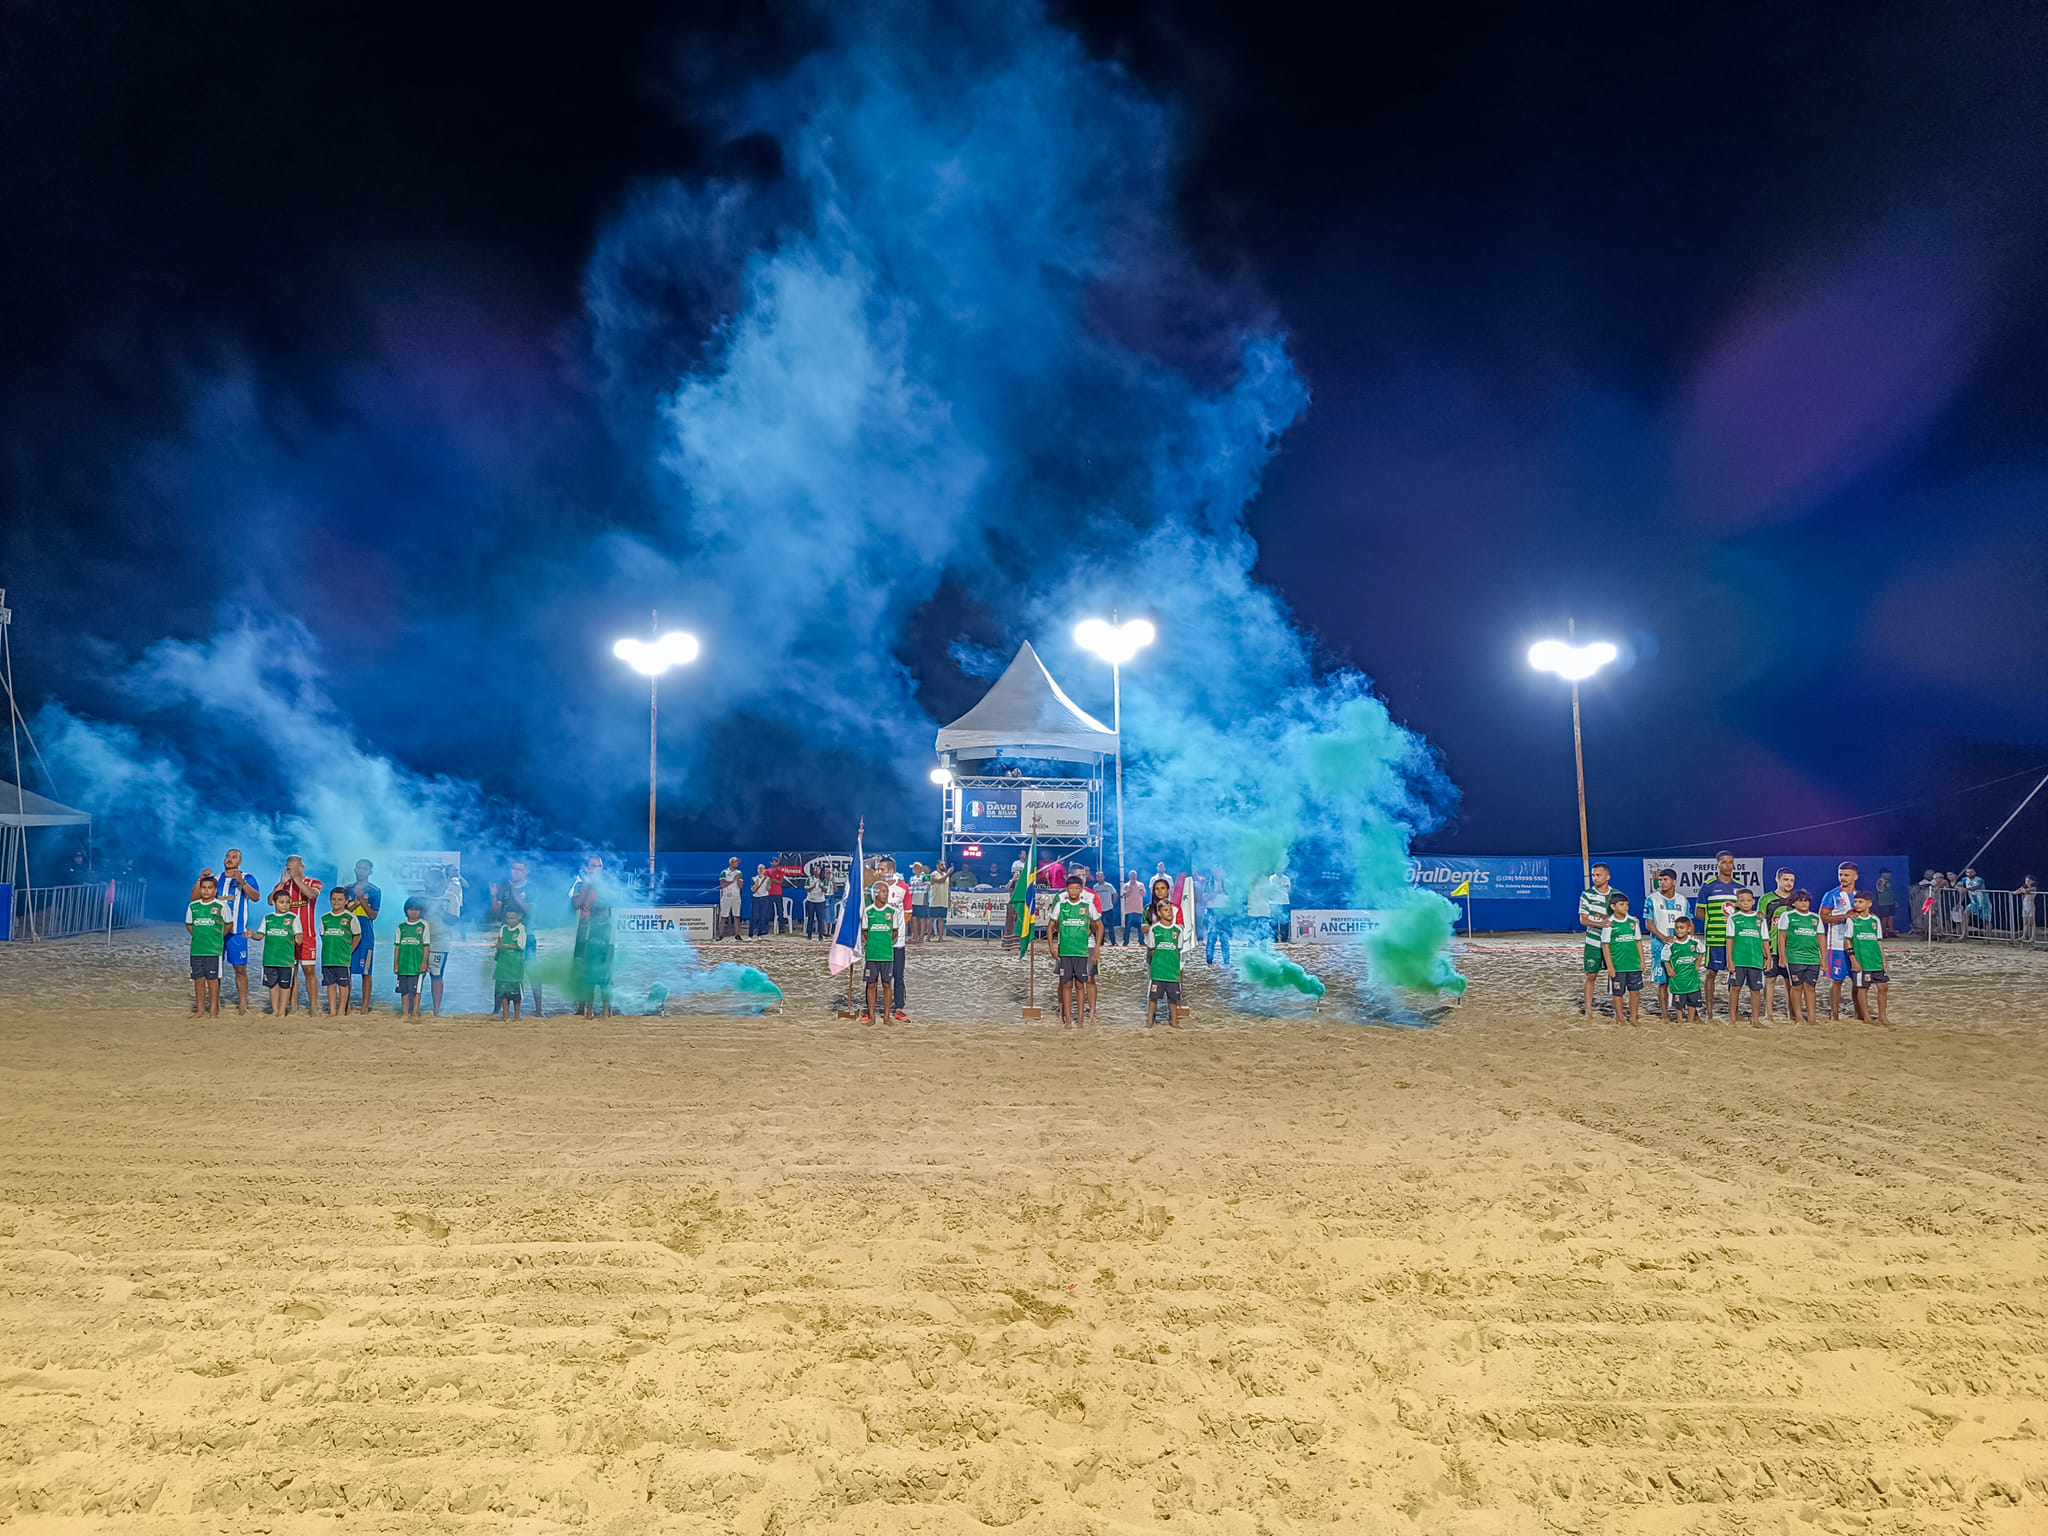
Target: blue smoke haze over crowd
x=359, y=393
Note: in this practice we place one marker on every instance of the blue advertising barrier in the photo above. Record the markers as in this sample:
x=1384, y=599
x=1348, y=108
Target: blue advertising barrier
x=6, y=912
x=1558, y=912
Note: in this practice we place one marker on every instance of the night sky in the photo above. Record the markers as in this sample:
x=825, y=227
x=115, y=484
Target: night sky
x=1722, y=332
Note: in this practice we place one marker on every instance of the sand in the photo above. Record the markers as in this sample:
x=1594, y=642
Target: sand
x=1511, y=1272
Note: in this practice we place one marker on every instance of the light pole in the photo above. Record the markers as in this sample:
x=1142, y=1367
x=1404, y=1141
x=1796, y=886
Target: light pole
x=943, y=777
x=1116, y=644
x=1575, y=662
x=651, y=658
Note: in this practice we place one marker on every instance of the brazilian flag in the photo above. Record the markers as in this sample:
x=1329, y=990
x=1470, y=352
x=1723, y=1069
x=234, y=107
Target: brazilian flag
x=1021, y=902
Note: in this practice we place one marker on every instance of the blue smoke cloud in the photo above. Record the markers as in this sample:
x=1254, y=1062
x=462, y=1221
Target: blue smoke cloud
x=952, y=355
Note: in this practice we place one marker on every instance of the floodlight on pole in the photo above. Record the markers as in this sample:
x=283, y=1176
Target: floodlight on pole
x=1116, y=644
x=651, y=658
x=1575, y=663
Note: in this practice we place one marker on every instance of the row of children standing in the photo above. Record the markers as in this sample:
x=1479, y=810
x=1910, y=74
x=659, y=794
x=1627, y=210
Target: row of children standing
x=1787, y=940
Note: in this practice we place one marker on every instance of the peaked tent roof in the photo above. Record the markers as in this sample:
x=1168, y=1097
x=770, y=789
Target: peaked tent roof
x=1026, y=713
x=26, y=808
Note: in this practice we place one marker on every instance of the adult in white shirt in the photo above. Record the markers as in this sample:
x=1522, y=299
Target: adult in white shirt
x=1662, y=909
x=1258, y=906
x=1836, y=908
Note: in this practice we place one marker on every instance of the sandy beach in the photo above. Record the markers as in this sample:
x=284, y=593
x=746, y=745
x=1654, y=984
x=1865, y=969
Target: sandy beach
x=1514, y=1271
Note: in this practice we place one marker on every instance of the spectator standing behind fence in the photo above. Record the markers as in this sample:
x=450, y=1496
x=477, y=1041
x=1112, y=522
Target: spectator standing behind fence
x=1980, y=898
x=942, y=899
x=2024, y=898
x=1884, y=901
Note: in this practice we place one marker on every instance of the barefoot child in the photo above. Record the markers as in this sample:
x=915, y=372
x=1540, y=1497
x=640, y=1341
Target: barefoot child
x=1077, y=930
x=1799, y=953
x=206, y=920
x=1663, y=908
x=280, y=936
x=339, y=930
x=1684, y=958
x=1866, y=955
x=508, y=969
x=1747, y=948
x=1621, y=951
x=1163, y=933
x=882, y=923
x=1593, y=914
x=409, y=956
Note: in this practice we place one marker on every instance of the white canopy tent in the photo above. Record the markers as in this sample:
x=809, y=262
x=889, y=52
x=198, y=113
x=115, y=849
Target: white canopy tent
x=23, y=809
x=1027, y=715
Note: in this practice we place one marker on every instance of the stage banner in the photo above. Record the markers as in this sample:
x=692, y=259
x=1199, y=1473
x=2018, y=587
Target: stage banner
x=694, y=923
x=1052, y=812
x=1492, y=879
x=979, y=909
x=1331, y=925
x=1694, y=873
x=990, y=810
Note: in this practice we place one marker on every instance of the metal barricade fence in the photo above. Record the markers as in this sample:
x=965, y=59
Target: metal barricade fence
x=1998, y=917
x=63, y=911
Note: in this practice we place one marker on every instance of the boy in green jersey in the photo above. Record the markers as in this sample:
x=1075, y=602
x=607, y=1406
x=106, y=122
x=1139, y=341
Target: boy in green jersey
x=1684, y=958
x=1621, y=951
x=207, y=921
x=339, y=930
x=1780, y=900
x=1593, y=915
x=1077, y=932
x=1799, y=952
x=1866, y=959
x=1747, y=947
x=280, y=935
x=882, y=934
x=409, y=955
x=1164, y=935
x=508, y=964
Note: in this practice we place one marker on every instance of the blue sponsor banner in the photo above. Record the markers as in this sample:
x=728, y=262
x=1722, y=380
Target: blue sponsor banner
x=991, y=810
x=1492, y=879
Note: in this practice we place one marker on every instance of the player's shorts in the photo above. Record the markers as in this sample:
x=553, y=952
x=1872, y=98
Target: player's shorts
x=1697, y=1001
x=206, y=967
x=1627, y=981
x=1775, y=968
x=408, y=985
x=1595, y=961
x=1838, y=965
x=1803, y=975
x=280, y=975
x=309, y=949
x=333, y=975
x=236, y=951
x=1748, y=976
x=1865, y=978
x=880, y=973
x=505, y=994
x=1073, y=968
x=1170, y=990
x=1657, y=976
x=1717, y=955
x=437, y=961
x=359, y=959
x=1094, y=967
x=921, y=910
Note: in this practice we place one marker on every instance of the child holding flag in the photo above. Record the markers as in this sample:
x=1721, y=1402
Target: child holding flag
x=882, y=930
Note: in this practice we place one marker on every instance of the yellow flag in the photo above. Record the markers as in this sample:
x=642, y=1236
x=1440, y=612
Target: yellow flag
x=1464, y=888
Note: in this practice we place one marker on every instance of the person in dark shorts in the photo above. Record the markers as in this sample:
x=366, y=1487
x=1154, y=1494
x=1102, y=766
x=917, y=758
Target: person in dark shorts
x=1711, y=905
x=1077, y=933
x=882, y=934
x=1748, y=944
x=409, y=955
x=1780, y=900
x=1165, y=936
x=279, y=934
x=207, y=922
x=1866, y=959
x=1799, y=944
x=1593, y=915
x=1685, y=956
x=1621, y=951
x=340, y=930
